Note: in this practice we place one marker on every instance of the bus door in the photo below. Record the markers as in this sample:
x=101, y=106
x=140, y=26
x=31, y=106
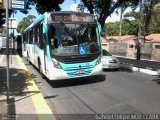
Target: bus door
x=42, y=45
x=24, y=52
x=45, y=47
x=30, y=48
x=36, y=48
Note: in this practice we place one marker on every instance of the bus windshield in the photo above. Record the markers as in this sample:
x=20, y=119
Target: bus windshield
x=73, y=39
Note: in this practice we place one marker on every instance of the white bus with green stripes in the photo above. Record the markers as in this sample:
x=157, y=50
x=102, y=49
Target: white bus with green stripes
x=64, y=45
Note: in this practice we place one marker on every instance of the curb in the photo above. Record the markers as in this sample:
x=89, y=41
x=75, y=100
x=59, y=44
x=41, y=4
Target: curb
x=42, y=108
x=146, y=71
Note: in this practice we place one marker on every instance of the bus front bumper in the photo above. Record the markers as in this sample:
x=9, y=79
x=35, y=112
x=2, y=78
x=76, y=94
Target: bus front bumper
x=60, y=74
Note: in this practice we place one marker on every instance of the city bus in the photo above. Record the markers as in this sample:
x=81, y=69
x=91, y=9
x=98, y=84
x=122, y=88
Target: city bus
x=64, y=45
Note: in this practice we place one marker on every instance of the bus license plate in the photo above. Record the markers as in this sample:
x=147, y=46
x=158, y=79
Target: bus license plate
x=79, y=71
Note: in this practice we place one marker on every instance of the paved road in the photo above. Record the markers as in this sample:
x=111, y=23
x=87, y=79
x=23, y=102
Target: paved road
x=112, y=92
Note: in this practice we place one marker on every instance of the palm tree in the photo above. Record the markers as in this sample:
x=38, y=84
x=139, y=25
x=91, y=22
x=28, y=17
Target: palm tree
x=154, y=21
x=150, y=16
x=122, y=8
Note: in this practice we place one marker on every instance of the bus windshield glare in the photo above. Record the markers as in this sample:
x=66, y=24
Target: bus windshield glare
x=73, y=39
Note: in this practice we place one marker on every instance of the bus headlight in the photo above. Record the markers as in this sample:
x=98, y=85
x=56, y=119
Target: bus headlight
x=98, y=60
x=56, y=64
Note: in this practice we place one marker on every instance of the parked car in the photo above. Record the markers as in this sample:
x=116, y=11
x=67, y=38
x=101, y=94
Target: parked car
x=109, y=61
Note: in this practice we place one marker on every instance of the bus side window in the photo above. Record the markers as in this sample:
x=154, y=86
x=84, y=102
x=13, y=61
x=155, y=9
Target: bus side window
x=36, y=34
x=41, y=39
x=31, y=36
x=24, y=41
x=27, y=37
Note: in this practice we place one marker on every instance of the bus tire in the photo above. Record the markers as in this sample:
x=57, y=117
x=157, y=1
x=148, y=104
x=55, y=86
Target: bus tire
x=40, y=69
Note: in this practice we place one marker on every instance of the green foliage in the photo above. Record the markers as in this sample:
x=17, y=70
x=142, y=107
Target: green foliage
x=128, y=28
x=22, y=26
x=25, y=23
x=104, y=8
x=112, y=29
x=133, y=28
x=149, y=17
x=46, y=5
x=41, y=7
x=153, y=28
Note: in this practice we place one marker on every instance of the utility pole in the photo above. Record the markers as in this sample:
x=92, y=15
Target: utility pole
x=7, y=48
x=120, y=26
x=138, y=46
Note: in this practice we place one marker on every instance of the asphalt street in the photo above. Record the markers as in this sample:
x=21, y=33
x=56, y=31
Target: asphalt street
x=122, y=91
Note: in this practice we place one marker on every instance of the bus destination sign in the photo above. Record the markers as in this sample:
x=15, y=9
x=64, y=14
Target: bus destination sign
x=72, y=18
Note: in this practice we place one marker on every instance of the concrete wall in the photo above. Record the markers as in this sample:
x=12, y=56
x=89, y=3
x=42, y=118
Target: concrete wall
x=146, y=50
x=155, y=51
x=118, y=48
x=105, y=46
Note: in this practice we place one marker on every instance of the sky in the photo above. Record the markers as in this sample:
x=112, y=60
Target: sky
x=67, y=5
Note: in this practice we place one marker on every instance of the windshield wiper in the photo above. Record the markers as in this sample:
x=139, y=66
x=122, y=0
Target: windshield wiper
x=82, y=26
x=68, y=31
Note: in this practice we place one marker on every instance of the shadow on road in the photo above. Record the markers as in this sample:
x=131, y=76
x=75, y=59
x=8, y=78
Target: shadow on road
x=129, y=70
x=122, y=69
x=77, y=81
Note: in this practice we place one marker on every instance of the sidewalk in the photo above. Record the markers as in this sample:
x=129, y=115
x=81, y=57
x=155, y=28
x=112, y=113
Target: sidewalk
x=146, y=66
x=26, y=101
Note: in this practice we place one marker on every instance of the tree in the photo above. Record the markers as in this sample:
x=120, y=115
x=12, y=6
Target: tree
x=150, y=17
x=29, y=18
x=46, y=5
x=153, y=21
x=25, y=23
x=128, y=28
x=122, y=8
x=41, y=7
x=105, y=8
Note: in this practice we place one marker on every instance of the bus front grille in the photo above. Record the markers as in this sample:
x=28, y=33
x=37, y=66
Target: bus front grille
x=77, y=60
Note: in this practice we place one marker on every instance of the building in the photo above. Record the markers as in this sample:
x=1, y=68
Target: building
x=150, y=48
x=155, y=40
